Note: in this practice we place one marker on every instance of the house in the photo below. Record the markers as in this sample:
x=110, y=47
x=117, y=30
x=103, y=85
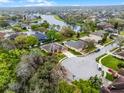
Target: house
x=111, y=30
x=96, y=39
x=11, y=36
x=41, y=37
x=104, y=25
x=117, y=85
x=99, y=33
x=2, y=35
x=24, y=26
x=76, y=45
x=120, y=54
x=93, y=18
x=53, y=48
x=121, y=71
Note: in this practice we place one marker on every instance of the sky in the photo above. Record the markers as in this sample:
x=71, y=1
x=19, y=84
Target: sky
x=26, y=3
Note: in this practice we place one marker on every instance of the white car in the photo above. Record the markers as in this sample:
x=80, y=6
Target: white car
x=99, y=67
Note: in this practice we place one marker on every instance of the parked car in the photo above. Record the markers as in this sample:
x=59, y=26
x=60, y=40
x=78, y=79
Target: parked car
x=99, y=67
x=97, y=50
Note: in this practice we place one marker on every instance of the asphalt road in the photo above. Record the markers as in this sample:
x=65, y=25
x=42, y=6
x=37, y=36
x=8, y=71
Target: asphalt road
x=85, y=67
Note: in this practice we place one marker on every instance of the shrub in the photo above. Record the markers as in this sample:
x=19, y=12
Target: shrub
x=121, y=65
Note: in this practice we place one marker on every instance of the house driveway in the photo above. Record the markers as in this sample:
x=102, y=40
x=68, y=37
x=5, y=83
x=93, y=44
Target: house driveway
x=85, y=67
x=69, y=54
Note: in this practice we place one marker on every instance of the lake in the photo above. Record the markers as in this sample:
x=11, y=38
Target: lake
x=51, y=20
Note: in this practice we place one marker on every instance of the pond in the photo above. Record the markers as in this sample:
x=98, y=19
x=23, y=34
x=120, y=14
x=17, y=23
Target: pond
x=51, y=20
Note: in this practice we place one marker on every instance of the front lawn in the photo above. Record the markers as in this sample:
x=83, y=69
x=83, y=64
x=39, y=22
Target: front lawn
x=36, y=20
x=109, y=77
x=122, y=33
x=108, y=41
x=74, y=52
x=58, y=18
x=111, y=62
x=89, y=50
x=82, y=34
x=60, y=56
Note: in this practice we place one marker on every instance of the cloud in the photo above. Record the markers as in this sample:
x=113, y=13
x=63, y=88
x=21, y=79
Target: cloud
x=5, y=1
x=40, y=3
x=26, y=3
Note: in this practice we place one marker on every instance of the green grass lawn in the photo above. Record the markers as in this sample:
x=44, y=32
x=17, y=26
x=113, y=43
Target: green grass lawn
x=122, y=33
x=108, y=40
x=74, y=52
x=82, y=34
x=90, y=50
x=98, y=58
x=109, y=77
x=58, y=18
x=60, y=56
x=111, y=62
x=36, y=19
x=24, y=30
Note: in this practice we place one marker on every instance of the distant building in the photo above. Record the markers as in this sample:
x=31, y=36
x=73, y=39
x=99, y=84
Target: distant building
x=12, y=36
x=120, y=54
x=111, y=30
x=104, y=25
x=24, y=26
x=99, y=33
x=2, y=35
x=41, y=37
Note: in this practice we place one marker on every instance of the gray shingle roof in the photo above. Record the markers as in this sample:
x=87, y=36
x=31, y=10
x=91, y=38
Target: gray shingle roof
x=53, y=47
x=99, y=33
x=76, y=44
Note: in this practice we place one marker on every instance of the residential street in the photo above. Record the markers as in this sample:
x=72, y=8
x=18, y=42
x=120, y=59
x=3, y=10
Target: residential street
x=85, y=67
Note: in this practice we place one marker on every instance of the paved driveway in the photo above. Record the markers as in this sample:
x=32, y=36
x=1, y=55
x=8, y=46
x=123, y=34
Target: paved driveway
x=85, y=67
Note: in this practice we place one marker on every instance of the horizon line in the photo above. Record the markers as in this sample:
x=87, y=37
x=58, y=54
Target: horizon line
x=98, y=5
